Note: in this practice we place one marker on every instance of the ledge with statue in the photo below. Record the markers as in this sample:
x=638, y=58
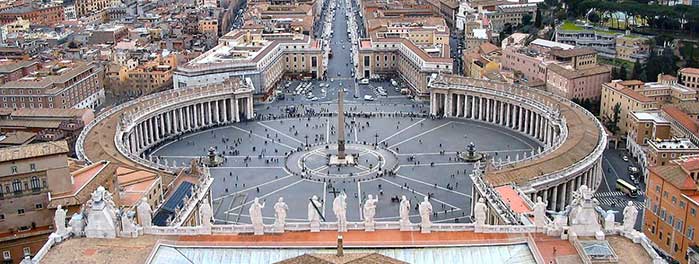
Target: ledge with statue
x=583, y=218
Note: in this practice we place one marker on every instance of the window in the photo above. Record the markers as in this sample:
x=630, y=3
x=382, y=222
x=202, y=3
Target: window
x=671, y=220
x=662, y=214
x=38, y=206
x=2, y=217
x=682, y=204
x=27, y=251
x=32, y=167
x=6, y=255
x=17, y=186
x=13, y=169
x=690, y=232
x=36, y=184
x=693, y=211
x=674, y=200
x=20, y=211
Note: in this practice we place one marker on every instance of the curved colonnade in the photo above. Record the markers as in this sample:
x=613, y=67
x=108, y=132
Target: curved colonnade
x=573, y=139
x=566, y=160
x=128, y=132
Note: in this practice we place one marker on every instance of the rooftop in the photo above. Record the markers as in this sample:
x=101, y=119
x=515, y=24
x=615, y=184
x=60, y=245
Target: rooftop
x=33, y=150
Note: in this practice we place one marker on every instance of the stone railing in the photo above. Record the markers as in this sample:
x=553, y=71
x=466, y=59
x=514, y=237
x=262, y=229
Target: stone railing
x=324, y=226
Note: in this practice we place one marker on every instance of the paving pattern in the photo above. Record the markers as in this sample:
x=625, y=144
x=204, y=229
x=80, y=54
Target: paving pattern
x=424, y=151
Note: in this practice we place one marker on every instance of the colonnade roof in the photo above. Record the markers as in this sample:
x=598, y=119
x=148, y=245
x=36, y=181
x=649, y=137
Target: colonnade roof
x=99, y=140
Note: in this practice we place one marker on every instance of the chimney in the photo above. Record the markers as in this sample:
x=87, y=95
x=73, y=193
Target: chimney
x=340, y=250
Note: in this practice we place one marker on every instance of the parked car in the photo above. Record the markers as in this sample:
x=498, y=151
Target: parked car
x=364, y=81
x=369, y=98
x=625, y=158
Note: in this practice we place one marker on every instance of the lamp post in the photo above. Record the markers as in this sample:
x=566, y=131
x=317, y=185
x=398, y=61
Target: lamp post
x=376, y=139
x=306, y=137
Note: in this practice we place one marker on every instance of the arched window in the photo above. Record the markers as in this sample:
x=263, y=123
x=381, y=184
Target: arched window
x=17, y=186
x=35, y=183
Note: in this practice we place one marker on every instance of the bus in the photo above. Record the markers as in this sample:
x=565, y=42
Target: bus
x=627, y=188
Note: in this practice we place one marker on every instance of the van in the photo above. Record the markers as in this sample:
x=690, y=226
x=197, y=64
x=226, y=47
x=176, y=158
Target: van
x=364, y=81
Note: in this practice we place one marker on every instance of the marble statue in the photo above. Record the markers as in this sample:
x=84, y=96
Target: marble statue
x=205, y=214
x=128, y=227
x=630, y=214
x=369, y=212
x=340, y=210
x=59, y=220
x=609, y=220
x=313, y=215
x=101, y=216
x=480, y=212
x=404, y=211
x=280, y=209
x=539, y=213
x=144, y=213
x=77, y=225
x=256, y=216
x=425, y=209
x=583, y=215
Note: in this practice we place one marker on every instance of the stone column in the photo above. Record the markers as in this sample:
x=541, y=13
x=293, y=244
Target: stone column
x=448, y=107
x=507, y=115
x=569, y=191
x=554, y=198
x=224, y=111
x=459, y=107
x=433, y=103
x=236, y=112
x=210, y=112
x=202, y=112
x=473, y=107
x=561, y=196
x=502, y=113
x=487, y=110
x=250, y=109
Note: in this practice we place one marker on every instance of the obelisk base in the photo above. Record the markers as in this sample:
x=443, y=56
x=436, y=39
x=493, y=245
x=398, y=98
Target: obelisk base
x=347, y=161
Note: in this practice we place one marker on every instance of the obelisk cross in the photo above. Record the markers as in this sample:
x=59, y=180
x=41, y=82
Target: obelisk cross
x=341, y=124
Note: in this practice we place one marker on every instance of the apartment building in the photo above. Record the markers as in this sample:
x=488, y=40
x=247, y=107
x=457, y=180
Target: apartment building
x=609, y=44
x=60, y=84
x=15, y=70
x=626, y=95
x=44, y=15
x=86, y=8
x=689, y=77
x=672, y=201
x=564, y=70
x=261, y=57
x=509, y=14
x=152, y=76
x=634, y=95
x=27, y=174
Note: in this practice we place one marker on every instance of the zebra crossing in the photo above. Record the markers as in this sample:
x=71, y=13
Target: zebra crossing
x=616, y=198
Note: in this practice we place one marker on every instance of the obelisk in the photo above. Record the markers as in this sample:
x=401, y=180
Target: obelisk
x=341, y=124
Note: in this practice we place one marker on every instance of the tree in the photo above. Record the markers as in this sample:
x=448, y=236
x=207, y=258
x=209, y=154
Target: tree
x=636, y=72
x=526, y=19
x=613, y=123
x=594, y=17
x=537, y=19
x=622, y=72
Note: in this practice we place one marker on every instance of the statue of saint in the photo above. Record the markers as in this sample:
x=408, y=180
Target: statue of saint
x=370, y=209
x=59, y=220
x=480, y=212
x=256, y=212
x=425, y=209
x=280, y=209
x=539, y=212
x=144, y=213
x=313, y=214
x=340, y=210
x=404, y=210
x=630, y=214
x=205, y=213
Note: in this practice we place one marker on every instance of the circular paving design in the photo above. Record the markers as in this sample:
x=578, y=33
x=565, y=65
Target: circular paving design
x=313, y=163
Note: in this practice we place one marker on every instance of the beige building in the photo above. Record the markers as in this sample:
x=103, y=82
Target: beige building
x=85, y=8
x=626, y=95
x=632, y=48
x=61, y=84
x=263, y=58
x=634, y=95
x=27, y=174
x=689, y=77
